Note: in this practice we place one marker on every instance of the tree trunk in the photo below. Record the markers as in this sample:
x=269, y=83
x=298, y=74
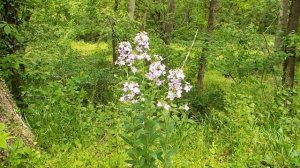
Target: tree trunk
x=9, y=116
x=11, y=16
x=114, y=40
x=282, y=24
x=170, y=20
x=144, y=23
x=161, y=22
x=210, y=27
x=290, y=48
x=131, y=9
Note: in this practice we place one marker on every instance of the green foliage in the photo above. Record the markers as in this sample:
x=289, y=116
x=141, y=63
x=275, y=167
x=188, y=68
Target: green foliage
x=4, y=136
x=149, y=128
x=63, y=113
x=20, y=155
x=243, y=118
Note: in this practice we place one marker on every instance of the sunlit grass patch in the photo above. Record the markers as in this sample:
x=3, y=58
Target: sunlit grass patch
x=177, y=47
x=215, y=77
x=88, y=48
x=83, y=156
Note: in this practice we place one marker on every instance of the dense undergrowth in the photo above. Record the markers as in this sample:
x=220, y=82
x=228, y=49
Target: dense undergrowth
x=71, y=93
x=232, y=124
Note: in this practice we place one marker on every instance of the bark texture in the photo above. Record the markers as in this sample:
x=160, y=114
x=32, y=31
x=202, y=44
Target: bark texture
x=8, y=115
x=131, y=9
x=282, y=23
x=289, y=64
x=170, y=21
x=10, y=15
x=210, y=27
x=114, y=40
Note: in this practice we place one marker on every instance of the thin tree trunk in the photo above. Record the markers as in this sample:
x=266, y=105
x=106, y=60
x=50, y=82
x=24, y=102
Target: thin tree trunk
x=187, y=15
x=290, y=48
x=170, y=21
x=161, y=18
x=131, y=9
x=114, y=40
x=210, y=27
x=282, y=24
x=144, y=23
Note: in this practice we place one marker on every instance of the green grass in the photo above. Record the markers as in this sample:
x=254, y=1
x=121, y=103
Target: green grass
x=87, y=49
x=247, y=131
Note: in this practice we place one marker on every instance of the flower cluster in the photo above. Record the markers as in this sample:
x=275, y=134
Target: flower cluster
x=126, y=55
x=175, y=78
x=143, y=56
x=156, y=70
x=142, y=42
x=166, y=106
x=156, y=73
x=131, y=91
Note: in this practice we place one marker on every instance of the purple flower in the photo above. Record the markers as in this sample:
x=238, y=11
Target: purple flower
x=156, y=70
x=142, y=42
x=171, y=95
x=126, y=55
x=175, y=79
x=131, y=91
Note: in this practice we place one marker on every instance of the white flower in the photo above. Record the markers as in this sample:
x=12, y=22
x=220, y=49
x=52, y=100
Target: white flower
x=159, y=104
x=159, y=82
x=142, y=42
x=136, y=90
x=134, y=70
x=175, y=78
x=130, y=91
x=147, y=57
x=171, y=95
x=122, y=98
x=134, y=101
x=156, y=70
x=166, y=106
x=187, y=87
x=186, y=107
x=159, y=58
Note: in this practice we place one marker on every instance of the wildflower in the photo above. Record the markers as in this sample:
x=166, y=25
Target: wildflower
x=156, y=70
x=187, y=87
x=122, y=98
x=166, y=106
x=143, y=56
x=159, y=104
x=147, y=57
x=134, y=69
x=131, y=90
x=175, y=79
x=159, y=82
x=142, y=42
x=142, y=98
x=186, y=107
x=125, y=48
x=126, y=55
x=171, y=95
x=159, y=58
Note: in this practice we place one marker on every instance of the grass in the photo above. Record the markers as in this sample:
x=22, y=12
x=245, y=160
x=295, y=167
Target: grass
x=228, y=137
x=87, y=49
